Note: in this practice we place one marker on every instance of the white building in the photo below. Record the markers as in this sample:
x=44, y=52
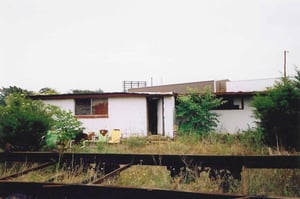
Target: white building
x=135, y=114
x=250, y=85
x=236, y=114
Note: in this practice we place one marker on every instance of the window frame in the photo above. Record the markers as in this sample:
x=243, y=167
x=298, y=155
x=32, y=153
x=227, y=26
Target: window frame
x=91, y=109
x=230, y=103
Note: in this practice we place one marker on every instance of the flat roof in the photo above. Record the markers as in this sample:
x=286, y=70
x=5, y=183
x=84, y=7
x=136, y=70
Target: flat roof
x=95, y=95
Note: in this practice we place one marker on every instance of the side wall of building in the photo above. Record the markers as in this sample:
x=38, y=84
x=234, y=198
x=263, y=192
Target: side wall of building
x=129, y=114
x=233, y=121
x=169, y=116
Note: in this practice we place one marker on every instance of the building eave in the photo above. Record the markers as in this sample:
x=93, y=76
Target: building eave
x=97, y=95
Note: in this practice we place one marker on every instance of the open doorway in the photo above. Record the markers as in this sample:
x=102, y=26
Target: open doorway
x=152, y=104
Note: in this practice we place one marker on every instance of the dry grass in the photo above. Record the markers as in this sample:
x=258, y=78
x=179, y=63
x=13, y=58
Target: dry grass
x=271, y=182
x=143, y=176
x=181, y=145
x=55, y=174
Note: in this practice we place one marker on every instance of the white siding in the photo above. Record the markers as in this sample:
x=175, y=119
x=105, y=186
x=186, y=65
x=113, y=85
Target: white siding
x=233, y=121
x=169, y=116
x=159, y=118
x=64, y=104
x=95, y=124
x=250, y=85
x=129, y=114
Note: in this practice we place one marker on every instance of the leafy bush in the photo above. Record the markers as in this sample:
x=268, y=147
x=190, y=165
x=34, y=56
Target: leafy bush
x=193, y=111
x=23, y=123
x=65, y=127
x=5, y=92
x=278, y=112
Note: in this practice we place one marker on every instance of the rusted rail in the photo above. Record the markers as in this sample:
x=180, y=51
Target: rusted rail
x=27, y=171
x=112, y=162
x=219, y=161
x=62, y=191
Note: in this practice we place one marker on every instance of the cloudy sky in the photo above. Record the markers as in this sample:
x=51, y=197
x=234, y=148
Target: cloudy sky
x=92, y=44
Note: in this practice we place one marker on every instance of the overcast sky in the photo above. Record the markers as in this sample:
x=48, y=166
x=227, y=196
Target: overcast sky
x=92, y=44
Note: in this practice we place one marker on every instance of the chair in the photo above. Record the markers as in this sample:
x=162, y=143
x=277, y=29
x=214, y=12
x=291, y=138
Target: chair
x=103, y=135
x=115, y=136
x=94, y=138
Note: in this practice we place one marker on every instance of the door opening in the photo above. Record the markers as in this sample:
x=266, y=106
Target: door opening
x=152, y=104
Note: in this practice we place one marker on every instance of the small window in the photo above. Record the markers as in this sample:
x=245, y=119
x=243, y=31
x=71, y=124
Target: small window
x=231, y=104
x=82, y=106
x=91, y=107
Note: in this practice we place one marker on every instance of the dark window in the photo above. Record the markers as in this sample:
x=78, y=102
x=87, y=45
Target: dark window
x=231, y=104
x=91, y=106
x=82, y=106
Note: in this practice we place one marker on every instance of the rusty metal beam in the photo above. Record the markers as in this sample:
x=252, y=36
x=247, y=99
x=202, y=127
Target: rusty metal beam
x=219, y=161
x=60, y=191
x=27, y=171
x=111, y=174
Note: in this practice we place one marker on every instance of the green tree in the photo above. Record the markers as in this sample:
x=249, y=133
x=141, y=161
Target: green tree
x=47, y=91
x=193, y=111
x=5, y=92
x=277, y=112
x=23, y=123
x=78, y=91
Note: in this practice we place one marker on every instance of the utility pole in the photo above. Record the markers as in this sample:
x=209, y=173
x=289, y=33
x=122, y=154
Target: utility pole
x=284, y=63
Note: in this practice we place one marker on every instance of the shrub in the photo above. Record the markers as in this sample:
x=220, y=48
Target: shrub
x=65, y=127
x=23, y=123
x=278, y=113
x=193, y=111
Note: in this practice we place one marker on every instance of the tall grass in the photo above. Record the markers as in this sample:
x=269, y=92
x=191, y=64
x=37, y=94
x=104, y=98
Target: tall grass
x=246, y=143
x=64, y=173
x=276, y=182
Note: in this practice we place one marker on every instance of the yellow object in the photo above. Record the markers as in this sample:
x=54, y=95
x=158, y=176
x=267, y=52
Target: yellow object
x=115, y=136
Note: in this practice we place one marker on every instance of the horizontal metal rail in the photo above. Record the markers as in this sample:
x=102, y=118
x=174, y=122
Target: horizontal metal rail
x=20, y=173
x=217, y=161
x=111, y=174
x=54, y=190
x=62, y=191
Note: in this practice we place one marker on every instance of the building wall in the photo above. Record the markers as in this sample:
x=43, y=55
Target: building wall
x=169, y=103
x=165, y=120
x=64, y=104
x=127, y=113
x=250, y=85
x=233, y=121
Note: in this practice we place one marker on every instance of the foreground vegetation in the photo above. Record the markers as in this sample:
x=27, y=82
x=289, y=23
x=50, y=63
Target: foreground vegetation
x=271, y=182
x=246, y=143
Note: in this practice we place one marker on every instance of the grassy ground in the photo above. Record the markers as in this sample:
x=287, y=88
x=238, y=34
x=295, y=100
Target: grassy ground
x=271, y=182
x=276, y=182
x=213, y=143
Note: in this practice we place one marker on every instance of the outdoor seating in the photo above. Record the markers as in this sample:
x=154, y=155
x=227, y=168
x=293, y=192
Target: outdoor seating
x=94, y=138
x=115, y=136
x=103, y=135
